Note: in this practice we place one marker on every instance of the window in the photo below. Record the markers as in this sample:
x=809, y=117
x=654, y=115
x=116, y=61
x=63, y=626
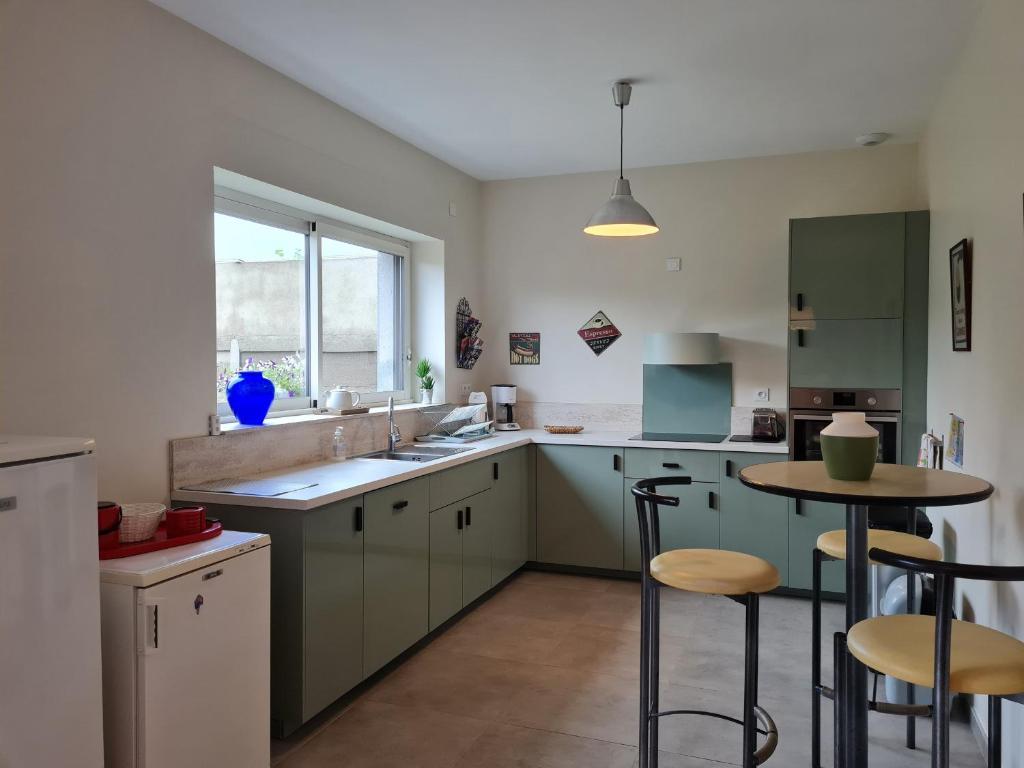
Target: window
x=312, y=303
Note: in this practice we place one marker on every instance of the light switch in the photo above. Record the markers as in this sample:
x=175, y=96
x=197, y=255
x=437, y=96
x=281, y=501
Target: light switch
x=673, y=265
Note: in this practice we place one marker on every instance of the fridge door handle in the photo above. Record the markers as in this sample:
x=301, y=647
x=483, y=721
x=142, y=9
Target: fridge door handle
x=148, y=634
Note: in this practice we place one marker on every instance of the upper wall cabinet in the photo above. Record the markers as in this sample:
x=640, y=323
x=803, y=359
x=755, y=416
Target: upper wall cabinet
x=847, y=267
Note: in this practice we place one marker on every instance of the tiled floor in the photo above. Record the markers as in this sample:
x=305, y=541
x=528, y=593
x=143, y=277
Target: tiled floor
x=544, y=675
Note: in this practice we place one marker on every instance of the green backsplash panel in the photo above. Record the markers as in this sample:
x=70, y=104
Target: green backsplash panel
x=687, y=398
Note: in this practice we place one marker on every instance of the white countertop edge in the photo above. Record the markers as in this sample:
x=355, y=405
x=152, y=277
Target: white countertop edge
x=337, y=481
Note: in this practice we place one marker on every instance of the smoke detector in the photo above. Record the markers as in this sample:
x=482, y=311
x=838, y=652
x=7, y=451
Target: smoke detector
x=873, y=139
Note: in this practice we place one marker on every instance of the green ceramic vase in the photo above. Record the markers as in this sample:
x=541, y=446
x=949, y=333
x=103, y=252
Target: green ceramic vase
x=849, y=447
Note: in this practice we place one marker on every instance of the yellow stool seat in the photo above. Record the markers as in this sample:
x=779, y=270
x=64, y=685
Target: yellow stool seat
x=714, y=572
x=833, y=544
x=983, y=660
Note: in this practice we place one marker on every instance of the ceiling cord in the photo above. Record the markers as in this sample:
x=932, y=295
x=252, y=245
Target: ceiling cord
x=622, y=112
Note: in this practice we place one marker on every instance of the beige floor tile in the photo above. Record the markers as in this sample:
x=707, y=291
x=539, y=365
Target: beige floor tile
x=567, y=581
x=503, y=636
x=509, y=746
x=375, y=734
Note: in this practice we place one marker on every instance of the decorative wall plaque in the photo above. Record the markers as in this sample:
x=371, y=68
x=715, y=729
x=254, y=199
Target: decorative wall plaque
x=599, y=332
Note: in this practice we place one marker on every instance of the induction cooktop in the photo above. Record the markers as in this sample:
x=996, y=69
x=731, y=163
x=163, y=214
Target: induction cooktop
x=679, y=437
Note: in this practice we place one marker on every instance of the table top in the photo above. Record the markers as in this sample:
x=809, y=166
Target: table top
x=890, y=485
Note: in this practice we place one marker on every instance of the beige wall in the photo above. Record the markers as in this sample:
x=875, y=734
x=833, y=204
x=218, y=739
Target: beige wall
x=727, y=221
x=114, y=114
x=973, y=162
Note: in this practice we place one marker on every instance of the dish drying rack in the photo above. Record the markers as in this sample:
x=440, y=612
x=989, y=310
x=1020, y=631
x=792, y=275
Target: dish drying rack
x=456, y=425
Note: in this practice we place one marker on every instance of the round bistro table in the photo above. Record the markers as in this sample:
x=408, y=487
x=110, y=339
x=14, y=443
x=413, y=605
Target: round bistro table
x=892, y=485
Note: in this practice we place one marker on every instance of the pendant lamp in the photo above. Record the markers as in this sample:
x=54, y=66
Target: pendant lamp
x=621, y=216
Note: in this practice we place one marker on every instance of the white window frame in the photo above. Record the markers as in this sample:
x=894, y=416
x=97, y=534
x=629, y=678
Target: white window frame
x=242, y=205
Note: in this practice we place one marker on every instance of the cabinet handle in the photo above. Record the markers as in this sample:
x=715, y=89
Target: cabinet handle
x=399, y=505
x=670, y=464
x=728, y=467
x=616, y=462
x=469, y=515
x=359, y=519
x=799, y=302
x=796, y=507
x=458, y=515
x=711, y=499
x=495, y=470
x=800, y=337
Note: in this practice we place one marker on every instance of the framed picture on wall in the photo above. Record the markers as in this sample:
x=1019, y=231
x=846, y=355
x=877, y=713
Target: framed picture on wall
x=960, y=294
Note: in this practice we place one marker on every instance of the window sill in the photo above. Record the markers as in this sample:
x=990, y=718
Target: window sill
x=315, y=417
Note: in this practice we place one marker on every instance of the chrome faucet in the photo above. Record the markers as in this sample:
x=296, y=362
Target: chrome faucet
x=394, y=434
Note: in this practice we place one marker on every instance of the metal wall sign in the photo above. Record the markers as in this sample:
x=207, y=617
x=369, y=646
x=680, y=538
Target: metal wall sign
x=599, y=333
x=524, y=348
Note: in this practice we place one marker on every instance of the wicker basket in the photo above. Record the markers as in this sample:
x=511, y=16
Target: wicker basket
x=140, y=521
x=556, y=429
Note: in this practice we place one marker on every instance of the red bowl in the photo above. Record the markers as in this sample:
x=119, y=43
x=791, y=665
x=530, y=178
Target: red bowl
x=108, y=519
x=182, y=521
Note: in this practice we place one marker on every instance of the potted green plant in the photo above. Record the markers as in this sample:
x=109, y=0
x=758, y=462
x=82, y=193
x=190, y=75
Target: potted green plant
x=426, y=380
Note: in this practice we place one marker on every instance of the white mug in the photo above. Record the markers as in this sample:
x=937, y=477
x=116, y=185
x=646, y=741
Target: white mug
x=341, y=399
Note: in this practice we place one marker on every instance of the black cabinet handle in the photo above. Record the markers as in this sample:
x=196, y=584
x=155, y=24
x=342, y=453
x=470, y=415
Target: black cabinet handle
x=616, y=462
x=711, y=499
x=796, y=507
x=459, y=516
x=670, y=464
x=800, y=337
x=359, y=519
x=495, y=465
x=399, y=505
x=469, y=515
x=728, y=467
x=799, y=302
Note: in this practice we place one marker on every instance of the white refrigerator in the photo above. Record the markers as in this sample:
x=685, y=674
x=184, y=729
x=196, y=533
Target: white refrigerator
x=186, y=655
x=50, y=679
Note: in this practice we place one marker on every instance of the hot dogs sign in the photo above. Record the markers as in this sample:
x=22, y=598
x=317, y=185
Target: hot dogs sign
x=599, y=332
x=524, y=348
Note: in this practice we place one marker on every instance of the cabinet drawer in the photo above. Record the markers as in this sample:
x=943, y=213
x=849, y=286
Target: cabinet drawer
x=459, y=483
x=700, y=466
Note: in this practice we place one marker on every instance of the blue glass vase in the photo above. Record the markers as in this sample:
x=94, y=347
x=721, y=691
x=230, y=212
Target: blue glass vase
x=250, y=396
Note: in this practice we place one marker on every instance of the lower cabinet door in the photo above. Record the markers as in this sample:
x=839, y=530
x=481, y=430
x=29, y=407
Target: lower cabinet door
x=333, y=597
x=476, y=546
x=509, y=522
x=446, y=526
x=752, y=521
x=396, y=571
x=807, y=521
x=691, y=525
x=579, y=506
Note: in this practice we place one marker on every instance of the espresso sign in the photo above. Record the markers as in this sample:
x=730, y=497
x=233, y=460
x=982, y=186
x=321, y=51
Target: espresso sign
x=524, y=348
x=599, y=332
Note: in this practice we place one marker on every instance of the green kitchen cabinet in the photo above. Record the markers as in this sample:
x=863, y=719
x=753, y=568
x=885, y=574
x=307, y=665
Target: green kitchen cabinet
x=461, y=482
x=849, y=354
x=847, y=267
x=396, y=571
x=579, y=506
x=752, y=521
x=446, y=526
x=694, y=524
x=476, y=546
x=509, y=511
x=807, y=521
x=316, y=600
x=699, y=466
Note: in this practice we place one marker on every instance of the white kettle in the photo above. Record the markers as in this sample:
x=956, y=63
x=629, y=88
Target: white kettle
x=341, y=399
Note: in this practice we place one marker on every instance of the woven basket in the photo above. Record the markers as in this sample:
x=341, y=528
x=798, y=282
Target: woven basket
x=555, y=429
x=140, y=521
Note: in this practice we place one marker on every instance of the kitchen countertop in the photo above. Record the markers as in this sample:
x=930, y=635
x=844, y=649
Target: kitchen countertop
x=336, y=481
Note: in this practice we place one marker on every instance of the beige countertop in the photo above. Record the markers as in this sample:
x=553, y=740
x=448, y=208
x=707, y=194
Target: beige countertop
x=336, y=481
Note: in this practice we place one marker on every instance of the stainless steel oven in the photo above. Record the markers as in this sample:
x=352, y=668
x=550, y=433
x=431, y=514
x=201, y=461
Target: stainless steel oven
x=810, y=411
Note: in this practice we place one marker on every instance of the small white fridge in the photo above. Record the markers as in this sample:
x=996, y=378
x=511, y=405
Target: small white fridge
x=186, y=655
x=50, y=689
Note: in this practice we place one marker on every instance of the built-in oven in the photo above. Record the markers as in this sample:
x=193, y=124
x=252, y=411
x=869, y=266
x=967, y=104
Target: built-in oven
x=810, y=411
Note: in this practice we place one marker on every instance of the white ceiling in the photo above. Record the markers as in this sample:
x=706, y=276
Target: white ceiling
x=512, y=88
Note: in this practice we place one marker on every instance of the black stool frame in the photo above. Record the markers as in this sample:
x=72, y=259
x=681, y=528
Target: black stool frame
x=945, y=575
x=647, y=503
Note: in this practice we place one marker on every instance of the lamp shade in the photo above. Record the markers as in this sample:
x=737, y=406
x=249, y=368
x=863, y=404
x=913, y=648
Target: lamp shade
x=621, y=216
x=681, y=349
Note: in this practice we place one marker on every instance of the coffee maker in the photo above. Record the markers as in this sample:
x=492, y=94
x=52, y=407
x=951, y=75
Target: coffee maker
x=503, y=396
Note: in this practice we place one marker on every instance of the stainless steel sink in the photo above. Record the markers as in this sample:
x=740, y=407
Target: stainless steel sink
x=416, y=453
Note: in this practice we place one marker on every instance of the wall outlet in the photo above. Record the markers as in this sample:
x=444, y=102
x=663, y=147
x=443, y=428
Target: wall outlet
x=762, y=395
x=465, y=389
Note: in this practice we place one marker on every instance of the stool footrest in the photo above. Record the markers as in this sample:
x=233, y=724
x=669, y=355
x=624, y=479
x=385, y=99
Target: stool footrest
x=767, y=729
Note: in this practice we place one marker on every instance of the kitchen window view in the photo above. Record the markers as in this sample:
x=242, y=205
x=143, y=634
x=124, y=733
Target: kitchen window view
x=310, y=303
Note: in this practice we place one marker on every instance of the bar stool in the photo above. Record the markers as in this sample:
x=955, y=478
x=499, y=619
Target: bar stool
x=831, y=545
x=948, y=655
x=739, y=576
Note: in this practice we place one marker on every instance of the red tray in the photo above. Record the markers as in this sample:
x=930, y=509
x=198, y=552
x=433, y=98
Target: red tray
x=160, y=541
